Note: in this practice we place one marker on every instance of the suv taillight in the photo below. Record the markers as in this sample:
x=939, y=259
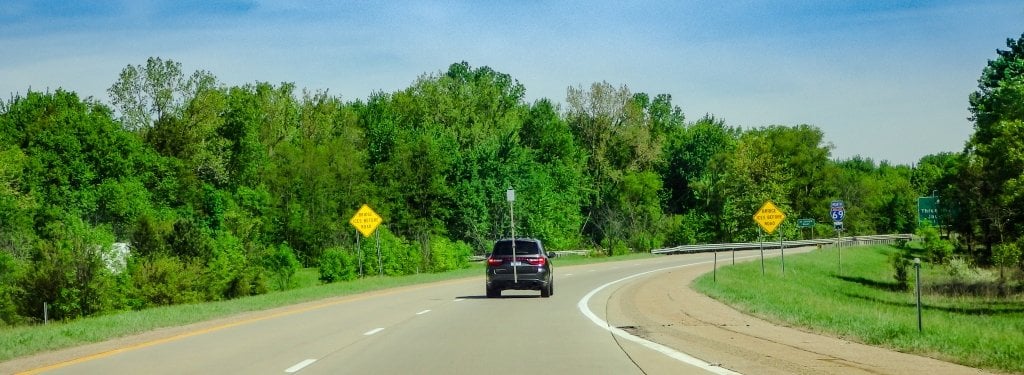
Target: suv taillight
x=494, y=261
x=537, y=261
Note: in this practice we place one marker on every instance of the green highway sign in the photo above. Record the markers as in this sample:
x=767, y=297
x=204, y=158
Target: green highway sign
x=928, y=209
x=805, y=223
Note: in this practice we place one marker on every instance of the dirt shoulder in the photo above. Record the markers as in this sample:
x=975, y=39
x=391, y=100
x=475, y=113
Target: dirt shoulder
x=664, y=309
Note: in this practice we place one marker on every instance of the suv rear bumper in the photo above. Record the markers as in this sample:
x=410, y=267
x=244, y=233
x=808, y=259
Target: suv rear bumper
x=526, y=281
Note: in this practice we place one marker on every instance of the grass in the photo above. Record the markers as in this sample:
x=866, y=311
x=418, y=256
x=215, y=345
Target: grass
x=27, y=340
x=866, y=304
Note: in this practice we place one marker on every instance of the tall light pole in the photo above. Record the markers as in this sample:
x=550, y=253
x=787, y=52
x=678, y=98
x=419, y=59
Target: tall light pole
x=510, y=195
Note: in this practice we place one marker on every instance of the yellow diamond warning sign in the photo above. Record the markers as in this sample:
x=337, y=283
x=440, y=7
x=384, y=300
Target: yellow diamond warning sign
x=769, y=217
x=365, y=220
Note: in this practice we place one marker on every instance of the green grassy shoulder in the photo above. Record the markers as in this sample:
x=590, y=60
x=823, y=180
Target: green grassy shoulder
x=866, y=304
x=27, y=340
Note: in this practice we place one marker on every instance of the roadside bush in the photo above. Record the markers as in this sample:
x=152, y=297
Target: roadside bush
x=399, y=256
x=963, y=271
x=162, y=280
x=282, y=264
x=337, y=264
x=1006, y=255
x=446, y=255
x=229, y=274
x=69, y=275
x=901, y=265
x=11, y=270
x=618, y=248
x=938, y=249
x=681, y=229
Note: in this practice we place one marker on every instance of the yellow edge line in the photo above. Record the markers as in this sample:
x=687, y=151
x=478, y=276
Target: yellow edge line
x=204, y=331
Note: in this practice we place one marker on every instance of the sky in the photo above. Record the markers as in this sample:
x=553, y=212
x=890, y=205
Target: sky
x=886, y=80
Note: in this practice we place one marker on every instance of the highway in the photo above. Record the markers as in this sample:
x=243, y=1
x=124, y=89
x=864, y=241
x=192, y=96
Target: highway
x=440, y=328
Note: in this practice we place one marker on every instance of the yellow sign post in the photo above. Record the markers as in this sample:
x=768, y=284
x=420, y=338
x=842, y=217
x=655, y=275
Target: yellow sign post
x=769, y=217
x=365, y=220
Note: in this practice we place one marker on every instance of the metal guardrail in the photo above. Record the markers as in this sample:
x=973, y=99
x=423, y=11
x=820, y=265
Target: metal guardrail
x=561, y=253
x=684, y=249
x=585, y=253
x=844, y=241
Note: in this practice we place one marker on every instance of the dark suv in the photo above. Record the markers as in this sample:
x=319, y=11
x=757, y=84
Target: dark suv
x=529, y=269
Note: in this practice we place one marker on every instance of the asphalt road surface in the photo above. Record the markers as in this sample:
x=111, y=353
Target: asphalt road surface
x=451, y=328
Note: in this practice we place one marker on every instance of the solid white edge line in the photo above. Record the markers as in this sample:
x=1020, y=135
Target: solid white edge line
x=373, y=332
x=300, y=366
x=422, y=312
x=671, y=353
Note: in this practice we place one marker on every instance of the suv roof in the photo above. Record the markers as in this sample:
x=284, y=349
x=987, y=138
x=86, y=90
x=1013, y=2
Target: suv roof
x=524, y=246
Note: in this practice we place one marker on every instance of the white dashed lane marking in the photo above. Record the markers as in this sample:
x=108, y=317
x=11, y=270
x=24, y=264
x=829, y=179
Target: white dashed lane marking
x=299, y=366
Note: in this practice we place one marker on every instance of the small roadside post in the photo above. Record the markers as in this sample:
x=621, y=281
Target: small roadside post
x=359, y=249
x=917, y=267
x=782, y=252
x=760, y=239
x=510, y=196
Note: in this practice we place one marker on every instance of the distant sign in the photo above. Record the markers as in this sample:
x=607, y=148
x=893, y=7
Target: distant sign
x=928, y=209
x=804, y=223
x=365, y=220
x=769, y=217
x=838, y=211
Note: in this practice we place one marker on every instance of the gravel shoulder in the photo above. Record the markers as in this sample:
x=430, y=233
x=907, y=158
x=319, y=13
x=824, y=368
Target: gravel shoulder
x=664, y=309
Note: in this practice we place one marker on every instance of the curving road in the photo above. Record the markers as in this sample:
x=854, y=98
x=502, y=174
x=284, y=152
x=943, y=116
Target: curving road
x=451, y=328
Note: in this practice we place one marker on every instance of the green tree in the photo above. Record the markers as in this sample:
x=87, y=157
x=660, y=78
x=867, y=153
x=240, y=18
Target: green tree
x=16, y=207
x=71, y=147
x=749, y=178
x=997, y=109
x=622, y=135
x=1005, y=255
x=145, y=94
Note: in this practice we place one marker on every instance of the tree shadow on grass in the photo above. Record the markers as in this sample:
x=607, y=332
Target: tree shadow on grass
x=978, y=309
x=883, y=285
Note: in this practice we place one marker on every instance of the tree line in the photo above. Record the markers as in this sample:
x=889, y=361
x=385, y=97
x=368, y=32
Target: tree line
x=226, y=191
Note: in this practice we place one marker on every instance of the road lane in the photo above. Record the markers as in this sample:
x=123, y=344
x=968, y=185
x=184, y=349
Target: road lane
x=464, y=332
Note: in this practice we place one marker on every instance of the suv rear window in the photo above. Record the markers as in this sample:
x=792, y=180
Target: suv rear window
x=522, y=248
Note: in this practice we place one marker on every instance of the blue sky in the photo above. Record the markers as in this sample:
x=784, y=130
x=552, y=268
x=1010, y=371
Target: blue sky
x=885, y=80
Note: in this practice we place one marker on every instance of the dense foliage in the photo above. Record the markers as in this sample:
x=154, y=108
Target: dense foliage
x=223, y=192
x=981, y=190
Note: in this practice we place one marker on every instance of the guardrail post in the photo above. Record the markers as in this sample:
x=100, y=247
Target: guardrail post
x=761, y=238
x=782, y=250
